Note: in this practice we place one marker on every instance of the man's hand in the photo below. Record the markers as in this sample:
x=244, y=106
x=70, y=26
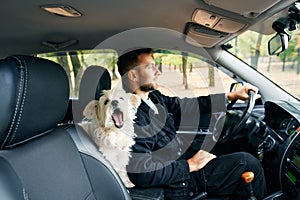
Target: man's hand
x=199, y=160
x=242, y=92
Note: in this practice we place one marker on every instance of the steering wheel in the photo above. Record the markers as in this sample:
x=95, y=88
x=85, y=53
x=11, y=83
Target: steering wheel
x=229, y=124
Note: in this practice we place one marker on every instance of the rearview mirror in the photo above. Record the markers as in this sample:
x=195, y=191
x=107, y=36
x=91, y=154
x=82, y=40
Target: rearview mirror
x=278, y=43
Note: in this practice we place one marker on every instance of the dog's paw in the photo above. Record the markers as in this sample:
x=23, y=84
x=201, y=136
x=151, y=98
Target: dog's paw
x=126, y=180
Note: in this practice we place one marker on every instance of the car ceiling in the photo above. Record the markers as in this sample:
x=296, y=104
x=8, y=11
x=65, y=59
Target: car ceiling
x=26, y=27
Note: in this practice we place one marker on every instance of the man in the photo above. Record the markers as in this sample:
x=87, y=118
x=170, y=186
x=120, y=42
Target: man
x=159, y=157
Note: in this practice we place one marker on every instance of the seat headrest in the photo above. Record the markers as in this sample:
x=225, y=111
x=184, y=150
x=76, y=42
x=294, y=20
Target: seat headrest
x=93, y=81
x=34, y=98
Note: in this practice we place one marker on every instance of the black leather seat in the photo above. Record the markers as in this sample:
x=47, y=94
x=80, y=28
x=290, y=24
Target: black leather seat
x=38, y=159
x=94, y=79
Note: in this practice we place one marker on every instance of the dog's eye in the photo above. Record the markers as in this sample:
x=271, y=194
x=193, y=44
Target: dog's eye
x=122, y=98
x=106, y=101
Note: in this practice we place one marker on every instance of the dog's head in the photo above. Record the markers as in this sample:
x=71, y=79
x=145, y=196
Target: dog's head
x=114, y=108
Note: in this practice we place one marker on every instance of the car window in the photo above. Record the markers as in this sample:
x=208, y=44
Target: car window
x=76, y=62
x=282, y=69
x=182, y=76
x=190, y=75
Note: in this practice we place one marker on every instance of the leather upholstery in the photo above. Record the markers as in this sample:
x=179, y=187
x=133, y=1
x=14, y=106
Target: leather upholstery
x=12, y=187
x=34, y=94
x=114, y=187
x=38, y=158
x=94, y=80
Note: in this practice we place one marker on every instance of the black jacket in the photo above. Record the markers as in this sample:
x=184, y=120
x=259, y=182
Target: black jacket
x=159, y=157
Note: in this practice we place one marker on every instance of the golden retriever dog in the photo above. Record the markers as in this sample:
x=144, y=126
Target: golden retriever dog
x=109, y=122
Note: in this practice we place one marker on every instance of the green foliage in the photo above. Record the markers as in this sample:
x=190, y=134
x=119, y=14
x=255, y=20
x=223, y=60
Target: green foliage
x=245, y=45
x=289, y=54
x=75, y=62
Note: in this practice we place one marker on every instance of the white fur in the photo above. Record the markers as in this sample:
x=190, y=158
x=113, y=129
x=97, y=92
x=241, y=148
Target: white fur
x=115, y=143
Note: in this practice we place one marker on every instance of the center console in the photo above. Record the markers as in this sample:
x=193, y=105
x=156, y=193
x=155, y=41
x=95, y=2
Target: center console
x=290, y=167
x=289, y=170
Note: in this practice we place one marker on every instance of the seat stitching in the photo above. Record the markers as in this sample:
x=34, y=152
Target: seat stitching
x=20, y=102
x=25, y=194
x=25, y=80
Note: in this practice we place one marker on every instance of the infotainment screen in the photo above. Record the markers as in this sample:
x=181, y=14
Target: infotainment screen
x=290, y=167
x=296, y=161
x=292, y=177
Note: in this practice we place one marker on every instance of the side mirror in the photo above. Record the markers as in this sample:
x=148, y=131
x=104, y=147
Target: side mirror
x=278, y=43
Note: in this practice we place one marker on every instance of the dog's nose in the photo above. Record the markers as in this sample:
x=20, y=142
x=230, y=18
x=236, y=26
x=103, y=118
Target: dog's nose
x=114, y=103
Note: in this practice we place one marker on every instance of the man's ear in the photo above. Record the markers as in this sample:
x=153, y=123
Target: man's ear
x=132, y=75
x=90, y=110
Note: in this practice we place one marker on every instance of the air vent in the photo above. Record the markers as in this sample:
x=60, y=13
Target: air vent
x=59, y=45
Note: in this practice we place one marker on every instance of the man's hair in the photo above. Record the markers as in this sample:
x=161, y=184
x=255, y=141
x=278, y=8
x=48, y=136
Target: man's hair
x=130, y=60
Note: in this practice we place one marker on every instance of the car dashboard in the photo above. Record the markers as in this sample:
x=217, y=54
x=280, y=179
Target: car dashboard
x=283, y=117
x=281, y=156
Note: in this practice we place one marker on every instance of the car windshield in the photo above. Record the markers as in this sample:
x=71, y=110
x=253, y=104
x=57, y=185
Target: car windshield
x=282, y=69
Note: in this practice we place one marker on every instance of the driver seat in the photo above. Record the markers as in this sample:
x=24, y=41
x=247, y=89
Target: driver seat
x=94, y=79
x=38, y=158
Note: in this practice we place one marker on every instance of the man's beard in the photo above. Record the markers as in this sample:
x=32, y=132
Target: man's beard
x=148, y=87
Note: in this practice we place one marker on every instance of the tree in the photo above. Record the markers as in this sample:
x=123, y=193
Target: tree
x=113, y=64
x=62, y=59
x=75, y=62
x=184, y=64
x=254, y=58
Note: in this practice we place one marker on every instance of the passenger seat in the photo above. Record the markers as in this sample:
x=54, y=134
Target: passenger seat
x=38, y=159
x=94, y=79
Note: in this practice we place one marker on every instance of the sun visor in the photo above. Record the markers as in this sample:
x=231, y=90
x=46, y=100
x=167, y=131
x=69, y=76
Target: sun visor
x=207, y=28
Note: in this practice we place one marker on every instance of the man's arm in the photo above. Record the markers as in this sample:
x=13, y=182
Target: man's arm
x=155, y=156
x=152, y=166
x=242, y=92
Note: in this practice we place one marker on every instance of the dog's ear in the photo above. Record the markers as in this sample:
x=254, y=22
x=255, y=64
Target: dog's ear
x=135, y=101
x=90, y=110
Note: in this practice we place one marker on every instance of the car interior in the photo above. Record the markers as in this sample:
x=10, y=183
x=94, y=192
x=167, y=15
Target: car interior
x=44, y=154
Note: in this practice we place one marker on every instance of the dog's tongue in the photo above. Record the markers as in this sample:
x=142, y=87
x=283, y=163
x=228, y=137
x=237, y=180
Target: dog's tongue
x=117, y=117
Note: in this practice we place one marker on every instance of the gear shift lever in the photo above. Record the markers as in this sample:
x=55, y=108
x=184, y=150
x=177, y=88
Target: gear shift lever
x=248, y=178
